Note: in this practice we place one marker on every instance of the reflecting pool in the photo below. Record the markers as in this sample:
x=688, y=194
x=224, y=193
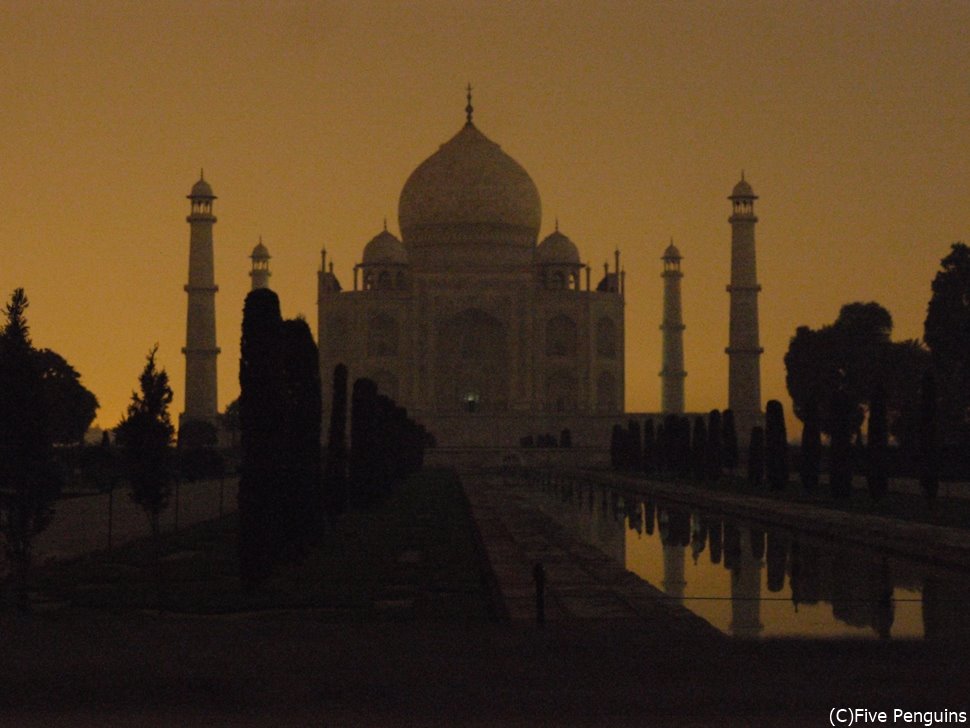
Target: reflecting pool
x=754, y=579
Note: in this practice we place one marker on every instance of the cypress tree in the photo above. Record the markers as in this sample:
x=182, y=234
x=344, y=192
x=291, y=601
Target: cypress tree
x=649, y=460
x=365, y=464
x=756, y=457
x=811, y=446
x=715, y=449
x=683, y=445
x=261, y=410
x=840, y=446
x=301, y=474
x=336, y=472
x=663, y=447
x=929, y=448
x=634, y=447
x=877, y=444
x=617, y=441
x=776, y=446
x=729, y=439
x=698, y=450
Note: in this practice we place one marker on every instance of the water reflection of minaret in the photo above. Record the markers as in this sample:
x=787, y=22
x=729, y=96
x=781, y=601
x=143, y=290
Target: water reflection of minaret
x=674, y=582
x=746, y=592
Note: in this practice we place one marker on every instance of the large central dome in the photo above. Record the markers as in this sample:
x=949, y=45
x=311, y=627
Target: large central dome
x=469, y=181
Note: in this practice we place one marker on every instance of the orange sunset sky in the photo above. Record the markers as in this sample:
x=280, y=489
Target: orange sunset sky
x=851, y=121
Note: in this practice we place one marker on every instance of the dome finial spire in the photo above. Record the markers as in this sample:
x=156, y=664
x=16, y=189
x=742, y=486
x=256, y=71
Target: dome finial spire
x=385, y=223
x=469, y=109
x=557, y=223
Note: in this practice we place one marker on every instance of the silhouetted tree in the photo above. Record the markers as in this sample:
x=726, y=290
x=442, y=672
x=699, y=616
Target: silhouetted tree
x=145, y=437
x=729, y=438
x=929, y=447
x=70, y=405
x=776, y=446
x=229, y=420
x=811, y=450
x=261, y=414
x=876, y=445
x=617, y=447
x=698, y=446
x=947, y=333
x=677, y=448
x=29, y=479
x=336, y=473
x=634, y=446
x=662, y=454
x=301, y=475
x=756, y=457
x=365, y=446
x=649, y=459
x=851, y=354
x=715, y=449
x=840, y=454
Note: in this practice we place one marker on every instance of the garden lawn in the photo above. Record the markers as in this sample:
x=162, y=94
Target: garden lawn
x=415, y=556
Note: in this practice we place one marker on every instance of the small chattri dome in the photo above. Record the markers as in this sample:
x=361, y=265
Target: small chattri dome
x=556, y=248
x=672, y=252
x=260, y=251
x=743, y=189
x=385, y=249
x=202, y=189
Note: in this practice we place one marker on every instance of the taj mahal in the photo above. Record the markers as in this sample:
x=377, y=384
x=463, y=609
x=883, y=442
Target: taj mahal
x=486, y=334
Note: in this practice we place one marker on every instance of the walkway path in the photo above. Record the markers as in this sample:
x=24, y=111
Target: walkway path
x=582, y=583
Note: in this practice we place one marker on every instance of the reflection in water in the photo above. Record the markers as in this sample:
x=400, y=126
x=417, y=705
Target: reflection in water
x=714, y=531
x=746, y=592
x=761, y=580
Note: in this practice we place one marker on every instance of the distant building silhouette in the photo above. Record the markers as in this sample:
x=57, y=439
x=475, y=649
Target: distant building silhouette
x=672, y=374
x=260, y=271
x=483, y=334
x=201, y=400
x=744, y=349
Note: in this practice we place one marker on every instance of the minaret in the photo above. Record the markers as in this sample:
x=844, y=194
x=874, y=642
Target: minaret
x=744, y=350
x=260, y=272
x=672, y=374
x=200, y=339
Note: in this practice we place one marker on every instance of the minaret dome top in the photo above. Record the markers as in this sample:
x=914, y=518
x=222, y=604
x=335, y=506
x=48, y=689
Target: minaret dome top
x=743, y=190
x=201, y=190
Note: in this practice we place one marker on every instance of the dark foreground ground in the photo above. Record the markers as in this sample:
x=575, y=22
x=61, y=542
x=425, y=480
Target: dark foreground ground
x=392, y=623
x=292, y=670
